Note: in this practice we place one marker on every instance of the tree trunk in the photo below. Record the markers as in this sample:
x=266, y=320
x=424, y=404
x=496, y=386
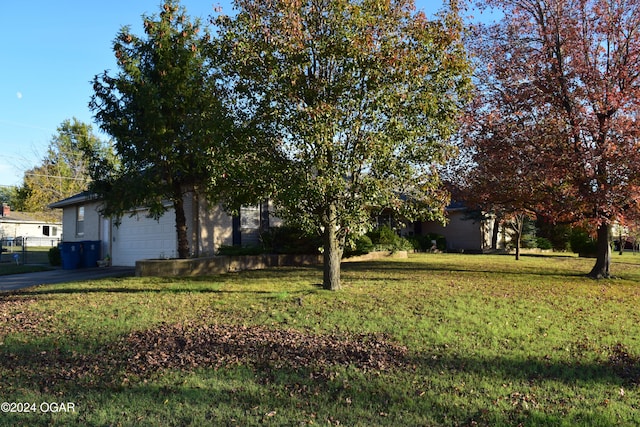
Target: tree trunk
x=333, y=248
x=181, y=226
x=519, y=227
x=603, y=258
x=620, y=243
x=495, y=234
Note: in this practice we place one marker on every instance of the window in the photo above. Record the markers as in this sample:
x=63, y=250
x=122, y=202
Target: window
x=250, y=217
x=48, y=230
x=80, y=221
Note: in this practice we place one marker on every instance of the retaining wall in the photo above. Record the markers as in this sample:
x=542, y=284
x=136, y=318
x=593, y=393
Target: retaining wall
x=229, y=264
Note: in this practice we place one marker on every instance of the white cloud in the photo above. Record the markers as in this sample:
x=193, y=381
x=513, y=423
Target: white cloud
x=19, y=95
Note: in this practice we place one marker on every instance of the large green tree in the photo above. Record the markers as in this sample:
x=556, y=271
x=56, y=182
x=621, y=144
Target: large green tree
x=63, y=171
x=163, y=109
x=363, y=96
x=8, y=194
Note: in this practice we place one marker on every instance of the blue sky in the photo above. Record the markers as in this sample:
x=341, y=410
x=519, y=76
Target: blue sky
x=51, y=50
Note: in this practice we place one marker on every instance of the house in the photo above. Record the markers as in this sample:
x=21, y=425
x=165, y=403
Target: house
x=136, y=236
x=18, y=228
x=462, y=232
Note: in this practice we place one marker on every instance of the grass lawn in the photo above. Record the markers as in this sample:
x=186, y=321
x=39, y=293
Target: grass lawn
x=435, y=340
x=37, y=260
x=7, y=268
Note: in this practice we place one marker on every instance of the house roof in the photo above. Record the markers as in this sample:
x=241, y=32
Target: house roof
x=87, y=196
x=456, y=205
x=28, y=217
x=76, y=199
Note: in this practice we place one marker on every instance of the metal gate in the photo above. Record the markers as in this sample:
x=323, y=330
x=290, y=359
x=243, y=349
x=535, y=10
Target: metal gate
x=27, y=250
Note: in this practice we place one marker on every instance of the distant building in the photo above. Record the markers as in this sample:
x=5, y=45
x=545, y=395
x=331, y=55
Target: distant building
x=22, y=228
x=462, y=232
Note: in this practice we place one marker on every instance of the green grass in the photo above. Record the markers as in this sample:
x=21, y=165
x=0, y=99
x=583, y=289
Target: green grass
x=7, y=268
x=488, y=341
x=37, y=259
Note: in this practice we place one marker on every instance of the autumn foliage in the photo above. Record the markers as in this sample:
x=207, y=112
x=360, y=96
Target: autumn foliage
x=554, y=128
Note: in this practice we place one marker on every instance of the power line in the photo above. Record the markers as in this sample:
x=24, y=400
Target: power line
x=56, y=176
x=22, y=125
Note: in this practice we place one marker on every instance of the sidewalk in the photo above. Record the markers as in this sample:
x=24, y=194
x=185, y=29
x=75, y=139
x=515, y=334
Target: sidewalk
x=18, y=281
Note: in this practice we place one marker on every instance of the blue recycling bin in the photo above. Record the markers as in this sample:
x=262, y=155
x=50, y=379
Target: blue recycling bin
x=71, y=255
x=90, y=253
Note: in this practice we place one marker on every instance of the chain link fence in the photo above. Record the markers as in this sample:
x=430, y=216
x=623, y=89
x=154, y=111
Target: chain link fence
x=27, y=250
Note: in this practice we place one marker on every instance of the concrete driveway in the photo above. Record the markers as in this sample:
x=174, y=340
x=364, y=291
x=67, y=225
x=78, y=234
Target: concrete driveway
x=19, y=281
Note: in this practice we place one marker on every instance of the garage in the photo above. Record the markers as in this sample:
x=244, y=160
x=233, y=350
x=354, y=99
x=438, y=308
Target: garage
x=138, y=237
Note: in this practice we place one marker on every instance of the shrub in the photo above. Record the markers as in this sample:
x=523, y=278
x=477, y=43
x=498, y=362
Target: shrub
x=416, y=243
x=441, y=241
x=387, y=236
x=383, y=235
x=558, y=234
x=582, y=243
x=358, y=245
x=384, y=238
x=424, y=242
x=528, y=236
x=401, y=244
x=290, y=240
x=543, y=243
x=55, y=257
x=364, y=244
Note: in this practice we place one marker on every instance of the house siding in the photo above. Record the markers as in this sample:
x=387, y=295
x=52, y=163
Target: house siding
x=214, y=227
x=462, y=234
x=91, y=222
x=31, y=230
x=138, y=237
x=222, y=225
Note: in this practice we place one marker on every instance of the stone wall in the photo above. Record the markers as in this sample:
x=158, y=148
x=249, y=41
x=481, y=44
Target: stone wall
x=228, y=264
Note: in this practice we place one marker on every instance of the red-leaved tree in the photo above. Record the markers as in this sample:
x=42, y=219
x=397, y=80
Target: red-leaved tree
x=559, y=98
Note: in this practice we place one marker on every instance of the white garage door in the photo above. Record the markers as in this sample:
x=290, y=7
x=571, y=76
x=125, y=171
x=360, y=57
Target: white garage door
x=139, y=237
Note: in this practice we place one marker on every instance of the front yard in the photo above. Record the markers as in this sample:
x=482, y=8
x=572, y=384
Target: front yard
x=432, y=340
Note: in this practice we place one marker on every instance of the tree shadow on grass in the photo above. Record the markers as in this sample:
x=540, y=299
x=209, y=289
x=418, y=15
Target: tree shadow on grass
x=188, y=284
x=426, y=267
x=296, y=374
x=274, y=394
x=618, y=367
x=49, y=294
x=296, y=397
x=198, y=346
